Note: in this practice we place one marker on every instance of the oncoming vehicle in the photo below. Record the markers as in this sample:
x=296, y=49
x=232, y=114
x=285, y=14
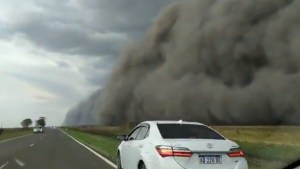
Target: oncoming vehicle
x=178, y=145
x=38, y=130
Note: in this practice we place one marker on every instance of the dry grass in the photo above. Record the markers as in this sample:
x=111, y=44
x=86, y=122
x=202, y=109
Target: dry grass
x=275, y=135
x=266, y=146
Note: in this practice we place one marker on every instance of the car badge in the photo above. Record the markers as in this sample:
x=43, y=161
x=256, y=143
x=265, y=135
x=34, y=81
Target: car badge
x=209, y=145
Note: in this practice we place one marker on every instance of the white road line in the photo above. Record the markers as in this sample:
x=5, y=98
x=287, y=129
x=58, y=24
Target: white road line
x=3, y=165
x=19, y=162
x=14, y=138
x=91, y=150
x=32, y=144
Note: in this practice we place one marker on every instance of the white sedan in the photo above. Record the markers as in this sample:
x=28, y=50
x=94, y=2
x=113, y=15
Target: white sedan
x=38, y=130
x=178, y=145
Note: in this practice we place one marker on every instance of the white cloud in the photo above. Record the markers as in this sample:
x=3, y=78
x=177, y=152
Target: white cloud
x=20, y=11
x=55, y=53
x=37, y=83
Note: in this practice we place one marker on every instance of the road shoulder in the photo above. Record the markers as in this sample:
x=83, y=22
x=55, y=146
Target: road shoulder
x=91, y=150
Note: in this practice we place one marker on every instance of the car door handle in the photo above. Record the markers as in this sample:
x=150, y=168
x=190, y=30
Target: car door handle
x=141, y=145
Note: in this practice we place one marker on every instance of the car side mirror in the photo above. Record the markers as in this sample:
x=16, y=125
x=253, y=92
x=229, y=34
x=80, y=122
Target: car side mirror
x=130, y=138
x=122, y=137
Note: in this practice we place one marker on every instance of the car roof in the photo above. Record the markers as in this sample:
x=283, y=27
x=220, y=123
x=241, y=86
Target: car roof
x=154, y=122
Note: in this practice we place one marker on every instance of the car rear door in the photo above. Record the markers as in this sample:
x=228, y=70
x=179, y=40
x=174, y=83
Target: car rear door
x=126, y=158
x=137, y=146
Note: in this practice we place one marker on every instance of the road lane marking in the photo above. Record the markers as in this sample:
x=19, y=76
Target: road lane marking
x=91, y=150
x=19, y=162
x=15, y=138
x=32, y=144
x=3, y=165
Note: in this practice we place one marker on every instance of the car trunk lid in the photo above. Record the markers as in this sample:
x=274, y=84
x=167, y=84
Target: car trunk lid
x=206, y=153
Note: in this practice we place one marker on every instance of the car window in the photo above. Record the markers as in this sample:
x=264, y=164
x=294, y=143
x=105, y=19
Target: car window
x=133, y=134
x=174, y=131
x=142, y=133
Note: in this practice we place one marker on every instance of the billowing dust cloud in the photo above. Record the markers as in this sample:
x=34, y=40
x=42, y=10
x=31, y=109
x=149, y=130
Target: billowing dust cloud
x=85, y=112
x=212, y=61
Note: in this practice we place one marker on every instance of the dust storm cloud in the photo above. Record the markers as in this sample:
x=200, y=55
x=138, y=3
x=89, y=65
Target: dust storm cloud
x=213, y=61
x=85, y=112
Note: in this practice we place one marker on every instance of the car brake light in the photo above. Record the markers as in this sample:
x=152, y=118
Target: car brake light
x=167, y=151
x=236, y=153
x=164, y=151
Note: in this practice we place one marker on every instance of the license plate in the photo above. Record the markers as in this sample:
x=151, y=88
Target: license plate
x=210, y=159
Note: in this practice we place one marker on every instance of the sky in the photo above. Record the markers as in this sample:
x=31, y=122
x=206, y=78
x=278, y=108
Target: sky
x=55, y=53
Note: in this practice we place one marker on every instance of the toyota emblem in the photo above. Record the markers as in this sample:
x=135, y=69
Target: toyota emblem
x=209, y=145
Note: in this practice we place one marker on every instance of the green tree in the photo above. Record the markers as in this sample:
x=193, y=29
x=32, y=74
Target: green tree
x=26, y=123
x=41, y=122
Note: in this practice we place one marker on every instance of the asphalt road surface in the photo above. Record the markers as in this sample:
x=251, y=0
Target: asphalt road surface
x=50, y=150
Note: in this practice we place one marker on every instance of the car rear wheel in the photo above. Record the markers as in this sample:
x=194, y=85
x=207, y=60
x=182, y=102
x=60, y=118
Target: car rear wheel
x=142, y=166
x=119, y=166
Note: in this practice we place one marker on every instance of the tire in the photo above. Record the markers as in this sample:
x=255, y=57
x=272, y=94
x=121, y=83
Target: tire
x=119, y=165
x=142, y=166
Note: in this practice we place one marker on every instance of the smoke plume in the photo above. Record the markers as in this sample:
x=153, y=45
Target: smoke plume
x=213, y=61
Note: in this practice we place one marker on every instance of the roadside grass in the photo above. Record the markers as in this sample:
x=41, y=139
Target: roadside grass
x=278, y=135
x=106, y=146
x=103, y=131
x=13, y=132
x=265, y=147
x=262, y=155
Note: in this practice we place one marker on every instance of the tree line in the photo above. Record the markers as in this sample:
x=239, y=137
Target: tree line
x=28, y=122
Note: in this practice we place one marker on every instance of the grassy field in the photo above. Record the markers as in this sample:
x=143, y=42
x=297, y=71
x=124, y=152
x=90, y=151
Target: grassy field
x=11, y=133
x=274, y=146
x=281, y=135
x=106, y=146
x=265, y=147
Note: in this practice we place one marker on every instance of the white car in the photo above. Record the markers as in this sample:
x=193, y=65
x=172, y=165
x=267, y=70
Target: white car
x=38, y=130
x=178, y=145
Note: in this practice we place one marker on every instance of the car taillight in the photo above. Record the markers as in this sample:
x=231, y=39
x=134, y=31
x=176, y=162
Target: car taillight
x=182, y=152
x=164, y=151
x=236, y=152
x=167, y=151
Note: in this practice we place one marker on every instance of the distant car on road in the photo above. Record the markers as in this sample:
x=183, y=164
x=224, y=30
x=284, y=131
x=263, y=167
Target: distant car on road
x=38, y=130
x=178, y=145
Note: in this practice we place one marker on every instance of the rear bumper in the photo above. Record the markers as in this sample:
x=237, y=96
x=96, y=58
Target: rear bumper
x=172, y=164
x=164, y=163
x=242, y=164
x=37, y=131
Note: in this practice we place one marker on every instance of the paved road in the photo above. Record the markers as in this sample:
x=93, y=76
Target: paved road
x=51, y=150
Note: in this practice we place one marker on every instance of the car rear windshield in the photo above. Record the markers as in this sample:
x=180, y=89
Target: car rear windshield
x=187, y=131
